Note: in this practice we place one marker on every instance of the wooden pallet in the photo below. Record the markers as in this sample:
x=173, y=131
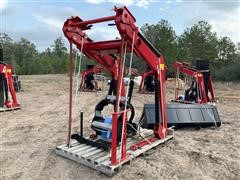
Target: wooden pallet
x=3, y=109
x=99, y=159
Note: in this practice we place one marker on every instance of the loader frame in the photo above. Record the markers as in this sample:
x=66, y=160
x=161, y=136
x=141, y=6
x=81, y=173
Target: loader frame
x=10, y=103
x=110, y=55
x=198, y=76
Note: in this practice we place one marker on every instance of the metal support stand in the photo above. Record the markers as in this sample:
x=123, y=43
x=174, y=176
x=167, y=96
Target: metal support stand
x=81, y=123
x=70, y=97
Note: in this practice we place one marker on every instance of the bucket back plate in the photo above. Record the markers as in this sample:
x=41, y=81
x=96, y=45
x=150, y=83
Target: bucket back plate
x=183, y=115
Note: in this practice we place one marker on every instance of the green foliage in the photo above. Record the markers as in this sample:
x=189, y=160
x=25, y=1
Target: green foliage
x=229, y=72
x=226, y=50
x=25, y=56
x=25, y=59
x=7, y=43
x=198, y=41
x=164, y=39
x=59, y=48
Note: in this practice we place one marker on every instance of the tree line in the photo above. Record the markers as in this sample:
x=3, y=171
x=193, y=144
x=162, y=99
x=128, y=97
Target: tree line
x=196, y=42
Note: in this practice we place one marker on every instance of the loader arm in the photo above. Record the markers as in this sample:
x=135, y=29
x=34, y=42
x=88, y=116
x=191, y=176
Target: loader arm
x=198, y=76
x=104, y=51
x=111, y=55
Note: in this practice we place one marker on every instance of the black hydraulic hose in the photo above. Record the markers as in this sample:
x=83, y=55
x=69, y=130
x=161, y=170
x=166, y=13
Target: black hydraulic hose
x=130, y=91
x=81, y=124
x=100, y=106
x=5, y=83
x=2, y=90
x=112, y=87
x=206, y=78
x=132, y=113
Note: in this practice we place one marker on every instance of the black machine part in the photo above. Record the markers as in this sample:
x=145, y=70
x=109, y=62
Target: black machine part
x=99, y=117
x=201, y=64
x=99, y=143
x=183, y=115
x=130, y=91
x=149, y=83
x=89, y=66
x=192, y=93
x=3, y=90
x=16, y=83
x=1, y=54
x=112, y=87
x=89, y=84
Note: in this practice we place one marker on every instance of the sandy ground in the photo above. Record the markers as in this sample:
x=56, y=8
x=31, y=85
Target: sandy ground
x=30, y=135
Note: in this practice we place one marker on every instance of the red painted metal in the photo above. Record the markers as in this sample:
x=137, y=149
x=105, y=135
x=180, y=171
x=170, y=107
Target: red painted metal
x=160, y=130
x=124, y=154
x=142, y=143
x=197, y=75
x=124, y=137
x=6, y=70
x=70, y=96
x=94, y=21
x=120, y=85
x=105, y=45
x=114, y=139
x=211, y=89
x=104, y=53
x=121, y=92
x=95, y=70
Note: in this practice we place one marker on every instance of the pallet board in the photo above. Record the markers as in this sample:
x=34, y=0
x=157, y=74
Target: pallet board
x=99, y=159
x=3, y=109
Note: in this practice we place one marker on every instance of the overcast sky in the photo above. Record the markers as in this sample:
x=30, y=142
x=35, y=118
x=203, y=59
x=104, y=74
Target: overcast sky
x=41, y=21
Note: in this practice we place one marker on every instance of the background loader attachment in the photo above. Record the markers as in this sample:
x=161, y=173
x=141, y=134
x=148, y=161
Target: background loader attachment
x=8, y=97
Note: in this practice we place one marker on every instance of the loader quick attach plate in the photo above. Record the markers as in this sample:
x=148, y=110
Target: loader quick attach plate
x=100, y=159
x=183, y=115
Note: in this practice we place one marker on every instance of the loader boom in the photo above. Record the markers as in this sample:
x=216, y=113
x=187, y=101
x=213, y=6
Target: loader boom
x=74, y=29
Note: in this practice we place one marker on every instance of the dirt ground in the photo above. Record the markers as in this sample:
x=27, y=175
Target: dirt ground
x=30, y=135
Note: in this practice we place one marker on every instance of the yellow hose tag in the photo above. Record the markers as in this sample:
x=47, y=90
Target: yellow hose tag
x=162, y=66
